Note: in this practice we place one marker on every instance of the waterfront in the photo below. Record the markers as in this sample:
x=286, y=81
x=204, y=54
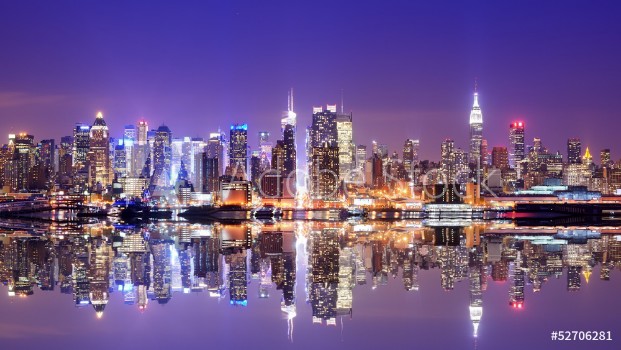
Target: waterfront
x=309, y=285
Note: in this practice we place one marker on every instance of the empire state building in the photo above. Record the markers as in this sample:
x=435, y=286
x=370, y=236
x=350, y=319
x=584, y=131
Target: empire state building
x=476, y=133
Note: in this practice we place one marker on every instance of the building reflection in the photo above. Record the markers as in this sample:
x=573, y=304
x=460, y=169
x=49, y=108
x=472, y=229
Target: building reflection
x=155, y=263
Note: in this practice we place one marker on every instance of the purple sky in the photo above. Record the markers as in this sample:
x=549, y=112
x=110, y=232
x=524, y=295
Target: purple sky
x=407, y=68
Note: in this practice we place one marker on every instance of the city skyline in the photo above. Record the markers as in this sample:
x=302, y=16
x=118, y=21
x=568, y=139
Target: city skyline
x=255, y=135
x=310, y=174
x=193, y=91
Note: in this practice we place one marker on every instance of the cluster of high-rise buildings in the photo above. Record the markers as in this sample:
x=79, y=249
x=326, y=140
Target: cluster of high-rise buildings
x=520, y=166
x=152, y=162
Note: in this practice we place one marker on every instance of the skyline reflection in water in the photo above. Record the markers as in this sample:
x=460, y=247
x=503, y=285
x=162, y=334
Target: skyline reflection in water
x=305, y=283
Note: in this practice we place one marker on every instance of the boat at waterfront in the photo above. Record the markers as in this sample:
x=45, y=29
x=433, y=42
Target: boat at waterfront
x=91, y=211
x=266, y=212
x=215, y=213
x=131, y=209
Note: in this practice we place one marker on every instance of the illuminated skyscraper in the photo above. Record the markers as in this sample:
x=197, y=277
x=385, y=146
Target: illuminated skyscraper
x=265, y=150
x=323, y=127
x=81, y=145
x=143, y=129
x=45, y=158
x=255, y=168
x=516, y=141
x=216, y=148
x=476, y=132
x=129, y=140
x=587, y=158
x=140, y=150
x=18, y=167
x=361, y=156
x=238, y=149
x=377, y=171
x=99, y=153
x=324, y=172
x=500, y=158
x=210, y=174
x=448, y=160
x=344, y=127
x=604, y=158
x=162, y=157
x=410, y=154
x=289, y=128
x=574, y=151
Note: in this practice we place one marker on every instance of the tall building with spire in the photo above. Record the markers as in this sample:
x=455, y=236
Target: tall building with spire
x=476, y=132
x=100, y=166
x=587, y=158
x=289, y=127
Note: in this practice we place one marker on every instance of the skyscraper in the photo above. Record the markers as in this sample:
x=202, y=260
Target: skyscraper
x=100, y=172
x=216, y=149
x=324, y=172
x=210, y=173
x=265, y=150
x=255, y=168
x=18, y=168
x=516, y=141
x=448, y=160
x=140, y=150
x=129, y=139
x=162, y=157
x=500, y=158
x=323, y=128
x=81, y=145
x=377, y=171
x=344, y=127
x=360, y=164
x=238, y=149
x=65, y=159
x=574, y=151
x=604, y=158
x=45, y=160
x=410, y=155
x=476, y=132
x=289, y=129
x=143, y=129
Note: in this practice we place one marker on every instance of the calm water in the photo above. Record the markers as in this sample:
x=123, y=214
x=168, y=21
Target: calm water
x=308, y=286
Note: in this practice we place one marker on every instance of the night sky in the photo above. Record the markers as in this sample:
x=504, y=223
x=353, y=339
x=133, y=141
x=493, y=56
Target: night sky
x=406, y=68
